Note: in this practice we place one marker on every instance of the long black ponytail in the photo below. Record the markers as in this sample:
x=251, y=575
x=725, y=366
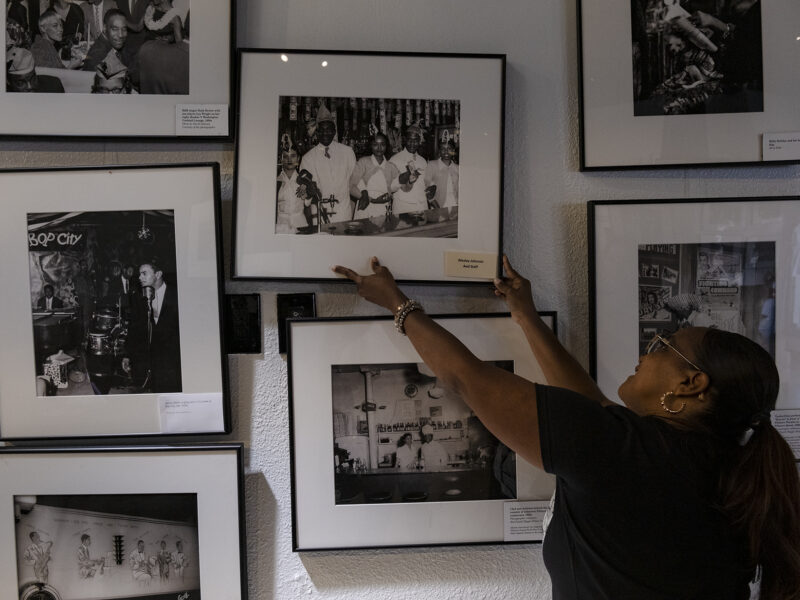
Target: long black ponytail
x=759, y=487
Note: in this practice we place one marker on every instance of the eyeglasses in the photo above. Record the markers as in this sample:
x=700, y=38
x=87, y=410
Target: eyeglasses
x=659, y=343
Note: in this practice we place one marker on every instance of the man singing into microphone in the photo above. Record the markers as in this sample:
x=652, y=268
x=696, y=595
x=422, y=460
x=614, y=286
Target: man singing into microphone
x=153, y=334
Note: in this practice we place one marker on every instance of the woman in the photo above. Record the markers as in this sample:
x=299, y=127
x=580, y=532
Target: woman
x=292, y=201
x=164, y=61
x=682, y=493
x=406, y=453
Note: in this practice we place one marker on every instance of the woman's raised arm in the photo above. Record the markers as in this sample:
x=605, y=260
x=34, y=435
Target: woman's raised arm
x=558, y=365
x=505, y=403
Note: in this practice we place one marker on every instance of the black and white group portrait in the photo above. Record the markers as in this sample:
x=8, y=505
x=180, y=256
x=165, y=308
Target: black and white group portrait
x=97, y=46
x=728, y=286
x=400, y=437
x=697, y=57
x=368, y=166
x=93, y=547
x=104, y=302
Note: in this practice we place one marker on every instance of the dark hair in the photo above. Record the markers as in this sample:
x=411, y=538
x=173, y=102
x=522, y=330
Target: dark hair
x=32, y=533
x=112, y=12
x=49, y=287
x=402, y=439
x=759, y=487
x=375, y=137
x=154, y=262
x=84, y=537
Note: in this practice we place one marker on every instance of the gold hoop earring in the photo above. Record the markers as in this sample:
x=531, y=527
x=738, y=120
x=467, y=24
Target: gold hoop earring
x=672, y=411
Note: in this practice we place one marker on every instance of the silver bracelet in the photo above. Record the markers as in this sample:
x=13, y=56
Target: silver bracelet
x=405, y=309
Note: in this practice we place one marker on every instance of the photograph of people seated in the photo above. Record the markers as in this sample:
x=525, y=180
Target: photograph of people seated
x=101, y=546
x=97, y=46
x=400, y=437
x=697, y=57
x=368, y=166
x=104, y=300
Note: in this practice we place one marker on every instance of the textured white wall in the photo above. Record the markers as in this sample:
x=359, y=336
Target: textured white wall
x=545, y=236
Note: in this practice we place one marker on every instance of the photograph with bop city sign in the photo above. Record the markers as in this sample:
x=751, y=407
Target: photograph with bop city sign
x=118, y=331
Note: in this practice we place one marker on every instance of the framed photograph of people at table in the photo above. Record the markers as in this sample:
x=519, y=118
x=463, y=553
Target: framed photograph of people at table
x=345, y=155
x=130, y=522
x=728, y=263
x=384, y=455
x=126, y=69
x=683, y=83
x=112, y=296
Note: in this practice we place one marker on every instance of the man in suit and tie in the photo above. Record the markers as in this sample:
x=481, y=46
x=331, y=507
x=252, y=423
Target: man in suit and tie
x=49, y=301
x=154, y=332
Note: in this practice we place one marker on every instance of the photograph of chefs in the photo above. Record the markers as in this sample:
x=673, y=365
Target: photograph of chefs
x=99, y=546
x=399, y=437
x=104, y=302
x=357, y=166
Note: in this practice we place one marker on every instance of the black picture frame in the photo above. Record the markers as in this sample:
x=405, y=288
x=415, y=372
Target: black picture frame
x=266, y=248
x=165, y=113
x=117, y=496
x=714, y=262
x=634, y=89
x=61, y=233
x=323, y=511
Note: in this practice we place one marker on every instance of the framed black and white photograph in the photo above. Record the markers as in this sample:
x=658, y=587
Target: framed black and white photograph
x=338, y=151
x=118, y=68
x=383, y=454
x=128, y=523
x=726, y=263
x=688, y=82
x=118, y=329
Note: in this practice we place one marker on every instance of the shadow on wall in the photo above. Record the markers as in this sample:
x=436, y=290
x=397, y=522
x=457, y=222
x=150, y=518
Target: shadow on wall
x=262, y=536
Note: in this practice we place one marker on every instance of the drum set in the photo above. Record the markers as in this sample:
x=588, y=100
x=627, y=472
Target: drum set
x=106, y=349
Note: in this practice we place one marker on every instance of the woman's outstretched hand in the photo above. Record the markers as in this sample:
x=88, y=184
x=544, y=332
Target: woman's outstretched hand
x=380, y=288
x=516, y=291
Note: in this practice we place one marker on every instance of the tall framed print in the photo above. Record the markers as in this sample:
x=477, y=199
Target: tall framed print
x=384, y=455
x=698, y=83
x=345, y=155
x=128, y=522
x=112, y=300
x=130, y=69
x=729, y=263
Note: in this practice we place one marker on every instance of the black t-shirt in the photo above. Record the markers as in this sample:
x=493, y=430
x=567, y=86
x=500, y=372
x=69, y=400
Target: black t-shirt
x=633, y=517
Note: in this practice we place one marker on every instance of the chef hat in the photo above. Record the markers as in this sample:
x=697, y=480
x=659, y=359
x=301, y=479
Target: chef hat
x=21, y=61
x=427, y=430
x=323, y=114
x=111, y=66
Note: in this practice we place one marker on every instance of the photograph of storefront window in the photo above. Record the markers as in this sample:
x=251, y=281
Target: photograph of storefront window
x=728, y=286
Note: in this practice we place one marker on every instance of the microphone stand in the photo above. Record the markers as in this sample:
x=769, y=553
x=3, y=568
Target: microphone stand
x=149, y=293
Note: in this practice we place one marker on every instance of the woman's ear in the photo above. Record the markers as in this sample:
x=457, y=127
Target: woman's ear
x=696, y=383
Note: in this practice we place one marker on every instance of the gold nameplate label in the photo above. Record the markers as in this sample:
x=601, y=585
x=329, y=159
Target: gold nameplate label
x=475, y=265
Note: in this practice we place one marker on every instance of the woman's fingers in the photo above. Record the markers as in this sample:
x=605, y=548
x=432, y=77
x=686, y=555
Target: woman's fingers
x=508, y=269
x=501, y=285
x=349, y=273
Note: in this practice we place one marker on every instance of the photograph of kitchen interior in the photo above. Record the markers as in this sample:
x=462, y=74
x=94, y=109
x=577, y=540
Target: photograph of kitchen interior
x=400, y=437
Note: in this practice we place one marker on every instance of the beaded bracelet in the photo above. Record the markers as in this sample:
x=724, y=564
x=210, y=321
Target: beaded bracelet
x=402, y=312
